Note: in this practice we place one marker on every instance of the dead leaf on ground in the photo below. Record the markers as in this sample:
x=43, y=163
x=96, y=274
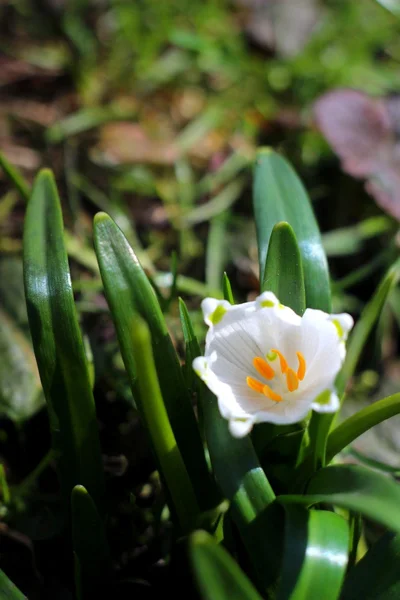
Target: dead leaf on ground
x=36, y=112
x=129, y=143
x=281, y=25
x=364, y=132
x=13, y=70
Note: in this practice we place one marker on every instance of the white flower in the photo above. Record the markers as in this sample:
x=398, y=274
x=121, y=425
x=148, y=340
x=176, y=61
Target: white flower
x=266, y=364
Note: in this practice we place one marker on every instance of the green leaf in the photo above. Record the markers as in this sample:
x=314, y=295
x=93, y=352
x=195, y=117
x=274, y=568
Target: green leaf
x=360, y=422
x=283, y=274
x=129, y=292
x=58, y=344
x=192, y=348
x=376, y=576
x=8, y=591
x=321, y=423
x=279, y=195
x=315, y=554
x=241, y=479
x=15, y=177
x=364, y=326
x=356, y=488
x=227, y=289
x=156, y=420
x=216, y=256
x=284, y=277
x=21, y=393
x=218, y=576
x=92, y=556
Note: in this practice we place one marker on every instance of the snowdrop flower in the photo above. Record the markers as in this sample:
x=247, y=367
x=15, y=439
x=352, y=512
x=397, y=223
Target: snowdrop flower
x=266, y=364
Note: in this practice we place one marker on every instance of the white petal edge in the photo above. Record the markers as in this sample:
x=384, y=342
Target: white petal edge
x=343, y=323
x=330, y=405
x=240, y=427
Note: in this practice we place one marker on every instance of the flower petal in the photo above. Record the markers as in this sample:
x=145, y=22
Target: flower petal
x=214, y=310
x=322, y=348
x=327, y=402
x=343, y=323
x=240, y=427
x=238, y=334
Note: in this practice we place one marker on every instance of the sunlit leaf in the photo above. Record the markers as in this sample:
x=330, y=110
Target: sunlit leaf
x=356, y=488
x=58, y=344
x=315, y=554
x=279, y=195
x=129, y=292
x=283, y=272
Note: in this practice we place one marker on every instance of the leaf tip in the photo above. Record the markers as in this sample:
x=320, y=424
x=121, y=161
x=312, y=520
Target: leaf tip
x=200, y=538
x=100, y=217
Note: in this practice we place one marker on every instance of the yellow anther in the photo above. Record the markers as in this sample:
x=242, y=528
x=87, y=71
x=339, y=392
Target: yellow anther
x=301, y=371
x=292, y=380
x=282, y=360
x=271, y=394
x=255, y=385
x=262, y=388
x=263, y=368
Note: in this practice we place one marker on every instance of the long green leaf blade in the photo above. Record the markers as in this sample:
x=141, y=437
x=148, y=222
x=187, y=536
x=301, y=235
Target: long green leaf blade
x=360, y=422
x=322, y=423
x=8, y=591
x=15, y=177
x=129, y=292
x=377, y=575
x=241, y=479
x=279, y=195
x=58, y=344
x=355, y=488
x=90, y=546
x=218, y=576
x=315, y=554
x=283, y=272
x=157, y=423
x=364, y=326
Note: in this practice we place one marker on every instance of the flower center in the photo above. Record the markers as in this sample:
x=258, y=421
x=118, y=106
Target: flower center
x=263, y=368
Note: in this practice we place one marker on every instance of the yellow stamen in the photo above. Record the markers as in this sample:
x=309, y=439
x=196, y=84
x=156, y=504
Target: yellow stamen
x=301, y=371
x=255, y=385
x=282, y=360
x=271, y=394
x=292, y=380
x=263, y=368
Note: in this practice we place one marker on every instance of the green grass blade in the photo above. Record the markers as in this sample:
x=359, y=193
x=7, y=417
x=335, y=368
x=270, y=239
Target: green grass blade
x=192, y=348
x=227, y=289
x=315, y=554
x=283, y=273
x=279, y=195
x=364, y=326
x=321, y=424
x=376, y=576
x=58, y=344
x=15, y=177
x=239, y=476
x=157, y=424
x=129, y=292
x=8, y=591
x=218, y=576
x=92, y=556
x=360, y=422
x=355, y=488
